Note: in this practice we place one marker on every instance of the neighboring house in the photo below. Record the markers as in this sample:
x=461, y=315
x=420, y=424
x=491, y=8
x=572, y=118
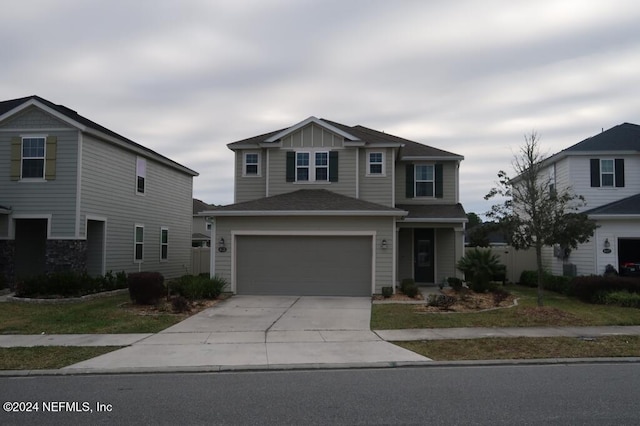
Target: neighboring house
x=605, y=170
x=201, y=231
x=322, y=208
x=77, y=196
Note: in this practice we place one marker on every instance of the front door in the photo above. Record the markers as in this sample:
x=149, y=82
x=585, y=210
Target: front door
x=423, y=255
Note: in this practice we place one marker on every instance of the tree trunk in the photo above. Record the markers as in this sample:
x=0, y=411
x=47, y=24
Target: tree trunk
x=540, y=274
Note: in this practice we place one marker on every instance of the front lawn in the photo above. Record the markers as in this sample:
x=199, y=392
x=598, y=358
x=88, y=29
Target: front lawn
x=112, y=314
x=526, y=348
x=559, y=310
x=48, y=357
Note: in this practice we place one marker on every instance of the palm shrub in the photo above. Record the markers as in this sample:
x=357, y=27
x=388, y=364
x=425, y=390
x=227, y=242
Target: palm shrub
x=479, y=266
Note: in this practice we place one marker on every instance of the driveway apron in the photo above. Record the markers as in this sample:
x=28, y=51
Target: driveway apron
x=263, y=332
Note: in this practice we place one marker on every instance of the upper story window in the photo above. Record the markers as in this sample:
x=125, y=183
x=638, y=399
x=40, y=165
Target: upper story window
x=312, y=166
x=251, y=164
x=33, y=157
x=607, y=173
x=424, y=180
x=375, y=164
x=141, y=175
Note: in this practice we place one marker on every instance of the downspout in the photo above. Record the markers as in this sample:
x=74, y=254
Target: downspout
x=212, y=265
x=358, y=172
x=266, y=173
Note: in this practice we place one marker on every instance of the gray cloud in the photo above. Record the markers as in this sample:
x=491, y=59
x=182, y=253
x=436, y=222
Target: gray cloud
x=186, y=78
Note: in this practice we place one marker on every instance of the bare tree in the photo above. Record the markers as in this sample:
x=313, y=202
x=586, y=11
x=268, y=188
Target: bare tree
x=535, y=213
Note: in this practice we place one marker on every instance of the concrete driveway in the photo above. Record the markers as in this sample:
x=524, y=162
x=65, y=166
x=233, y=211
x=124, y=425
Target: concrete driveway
x=264, y=332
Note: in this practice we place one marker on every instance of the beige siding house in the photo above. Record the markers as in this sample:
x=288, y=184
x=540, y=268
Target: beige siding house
x=77, y=196
x=322, y=208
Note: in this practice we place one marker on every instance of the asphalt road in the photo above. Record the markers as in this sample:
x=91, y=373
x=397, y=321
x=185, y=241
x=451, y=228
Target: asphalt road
x=585, y=394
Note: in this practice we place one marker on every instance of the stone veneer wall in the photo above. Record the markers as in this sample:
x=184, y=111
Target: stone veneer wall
x=7, y=264
x=66, y=255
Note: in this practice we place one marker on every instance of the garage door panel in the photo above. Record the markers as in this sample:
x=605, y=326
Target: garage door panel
x=303, y=265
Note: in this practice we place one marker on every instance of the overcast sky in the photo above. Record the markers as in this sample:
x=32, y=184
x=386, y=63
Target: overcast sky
x=185, y=78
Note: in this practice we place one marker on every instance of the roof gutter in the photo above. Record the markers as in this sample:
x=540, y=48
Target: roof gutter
x=355, y=213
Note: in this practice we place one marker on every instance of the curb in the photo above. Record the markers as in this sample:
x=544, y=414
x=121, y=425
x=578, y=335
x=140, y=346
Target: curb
x=315, y=367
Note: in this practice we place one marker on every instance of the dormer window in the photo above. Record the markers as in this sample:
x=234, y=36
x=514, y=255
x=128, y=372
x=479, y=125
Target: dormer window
x=312, y=166
x=251, y=164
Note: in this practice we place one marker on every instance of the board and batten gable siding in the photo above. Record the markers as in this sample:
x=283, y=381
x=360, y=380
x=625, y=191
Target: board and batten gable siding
x=383, y=228
x=55, y=197
x=377, y=189
x=449, y=184
x=580, y=177
x=249, y=188
x=313, y=138
x=109, y=190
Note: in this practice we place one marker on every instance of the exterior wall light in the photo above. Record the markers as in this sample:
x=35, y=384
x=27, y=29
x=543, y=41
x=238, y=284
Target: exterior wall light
x=607, y=244
x=384, y=244
x=221, y=242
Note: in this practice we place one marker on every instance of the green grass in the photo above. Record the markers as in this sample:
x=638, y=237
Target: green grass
x=559, y=310
x=102, y=315
x=526, y=348
x=48, y=357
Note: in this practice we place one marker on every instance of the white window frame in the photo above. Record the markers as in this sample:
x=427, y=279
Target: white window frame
x=164, y=257
x=136, y=243
x=317, y=166
x=380, y=163
x=612, y=173
x=141, y=172
x=427, y=181
x=312, y=166
x=245, y=163
x=43, y=157
x=307, y=166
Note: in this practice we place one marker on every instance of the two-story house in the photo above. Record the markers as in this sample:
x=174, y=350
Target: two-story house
x=77, y=196
x=605, y=170
x=322, y=208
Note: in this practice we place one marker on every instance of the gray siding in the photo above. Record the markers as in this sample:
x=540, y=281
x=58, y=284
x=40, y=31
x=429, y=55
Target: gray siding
x=383, y=227
x=449, y=176
x=108, y=190
x=312, y=136
x=250, y=187
x=54, y=197
x=377, y=189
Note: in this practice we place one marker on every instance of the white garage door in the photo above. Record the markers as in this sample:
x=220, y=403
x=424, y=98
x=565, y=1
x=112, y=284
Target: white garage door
x=304, y=265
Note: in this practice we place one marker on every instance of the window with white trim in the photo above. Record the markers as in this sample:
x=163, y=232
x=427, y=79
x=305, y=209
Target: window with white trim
x=375, y=164
x=322, y=166
x=251, y=164
x=164, y=244
x=141, y=175
x=138, y=237
x=607, y=173
x=302, y=166
x=33, y=157
x=424, y=180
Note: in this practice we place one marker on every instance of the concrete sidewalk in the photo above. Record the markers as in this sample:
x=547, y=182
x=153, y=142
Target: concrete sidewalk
x=306, y=337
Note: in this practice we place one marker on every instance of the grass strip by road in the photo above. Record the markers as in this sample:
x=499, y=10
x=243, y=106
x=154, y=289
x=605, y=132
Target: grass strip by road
x=103, y=315
x=525, y=348
x=559, y=310
x=48, y=357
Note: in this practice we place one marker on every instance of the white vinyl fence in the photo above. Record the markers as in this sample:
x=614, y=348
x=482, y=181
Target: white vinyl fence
x=200, y=262
x=516, y=261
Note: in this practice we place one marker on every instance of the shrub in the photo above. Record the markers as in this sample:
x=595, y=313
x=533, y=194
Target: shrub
x=406, y=283
x=455, y=283
x=180, y=304
x=499, y=296
x=387, y=292
x=620, y=298
x=557, y=283
x=201, y=286
x=441, y=300
x=480, y=267
x=590, y=288
x=409, y=288
x=66, y=284
x=529, y=278
x=146, y=288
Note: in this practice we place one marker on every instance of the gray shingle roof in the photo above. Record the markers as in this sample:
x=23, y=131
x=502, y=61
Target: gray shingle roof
x=370, y=137
x=200, y=206
x=320, y=200
x=623, y=137
x=6, y=106
x=626, y=206
x=434, y=211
